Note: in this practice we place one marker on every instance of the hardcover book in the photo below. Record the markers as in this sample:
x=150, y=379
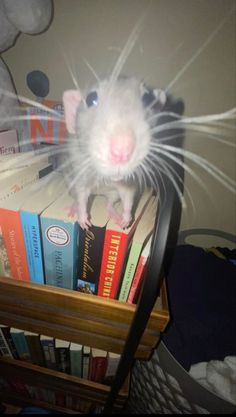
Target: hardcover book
x=5, y=330
x=35, y=348
x=76, y=359
x=141, y=234
x=85, y=361
x=90, y=243
x=62, y=351
x=48, y=346
x=97, y=365
x=5, y=349
x=140, y=272
x=113, y=360
x=8, y=142
x=20, y=343
x=30, y=211
x=116, y=245
x=60, y=233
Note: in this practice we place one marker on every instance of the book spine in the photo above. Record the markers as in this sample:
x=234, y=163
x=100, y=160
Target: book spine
x=60, y=250
x=76, y=363
x=35, y=349
x=4, y=347
x=90, y=257
x=129, y=271
x=21, y=346
x=98, y=369
x=63, y=359
x=14, y=242
x=49, y=353
x=32, y=238
x=7, y=334
x=114, y=250
x=5, y=270
x=138, y=277
x=26, y=176
x=112, y=365
x=85, y=363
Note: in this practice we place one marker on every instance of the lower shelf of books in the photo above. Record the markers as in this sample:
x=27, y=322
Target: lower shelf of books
x=22, y=383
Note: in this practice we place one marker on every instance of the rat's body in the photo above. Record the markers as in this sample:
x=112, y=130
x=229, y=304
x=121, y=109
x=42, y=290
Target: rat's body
x=111, y=127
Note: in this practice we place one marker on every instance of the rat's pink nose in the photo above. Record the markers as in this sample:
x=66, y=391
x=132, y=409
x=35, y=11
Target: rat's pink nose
x=121, y=147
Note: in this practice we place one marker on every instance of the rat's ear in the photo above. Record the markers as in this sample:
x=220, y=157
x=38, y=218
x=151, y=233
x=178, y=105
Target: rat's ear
x=71, y=101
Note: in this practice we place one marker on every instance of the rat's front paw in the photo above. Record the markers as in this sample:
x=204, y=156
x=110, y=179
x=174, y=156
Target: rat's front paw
x=125, y=220
x=72, y=211
x=84, y=221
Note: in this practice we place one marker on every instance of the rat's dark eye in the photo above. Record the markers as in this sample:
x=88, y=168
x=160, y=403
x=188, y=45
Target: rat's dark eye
x=148, y=98
x=92, y=99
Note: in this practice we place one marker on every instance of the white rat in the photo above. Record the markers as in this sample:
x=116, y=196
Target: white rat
x=111, y=139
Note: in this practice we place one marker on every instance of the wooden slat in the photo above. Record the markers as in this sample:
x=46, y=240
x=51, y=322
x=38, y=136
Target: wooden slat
x=77, y=303
x=58, y=381
x=78, y=317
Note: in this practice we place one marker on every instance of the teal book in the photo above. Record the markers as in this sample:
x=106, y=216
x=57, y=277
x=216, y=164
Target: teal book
x=76, y=359
x=20, y=343
x=60, y=235
x=46, y=194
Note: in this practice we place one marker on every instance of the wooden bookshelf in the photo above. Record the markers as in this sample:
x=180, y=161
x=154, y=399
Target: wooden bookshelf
x=77, y=317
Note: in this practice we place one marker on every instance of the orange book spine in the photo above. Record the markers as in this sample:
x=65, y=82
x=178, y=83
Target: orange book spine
x=14, y=242
x=114, y=250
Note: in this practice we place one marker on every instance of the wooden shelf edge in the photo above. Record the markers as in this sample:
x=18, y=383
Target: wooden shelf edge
x=28, y=370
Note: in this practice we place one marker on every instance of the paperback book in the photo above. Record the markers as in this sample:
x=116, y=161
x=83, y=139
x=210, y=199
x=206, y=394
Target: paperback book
x=47, y=192
x=90, y=243
x=140, y=272
x=116, y=245
x=12, y=233
x=141, y=234
x=16, y=179
x=60, y=234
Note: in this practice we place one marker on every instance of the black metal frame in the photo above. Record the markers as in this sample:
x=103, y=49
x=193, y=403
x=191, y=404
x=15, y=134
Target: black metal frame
x=164, y=241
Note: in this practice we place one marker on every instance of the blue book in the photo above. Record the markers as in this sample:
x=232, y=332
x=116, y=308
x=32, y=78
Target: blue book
x=48, y=346
x=20, y=343
x=60, y=232
x=47, y=192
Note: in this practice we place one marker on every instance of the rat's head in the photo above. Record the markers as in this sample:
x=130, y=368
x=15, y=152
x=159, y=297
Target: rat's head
x=111, y=123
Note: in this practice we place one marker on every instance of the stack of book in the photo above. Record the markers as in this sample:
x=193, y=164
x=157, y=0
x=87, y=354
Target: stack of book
x=41, y=242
